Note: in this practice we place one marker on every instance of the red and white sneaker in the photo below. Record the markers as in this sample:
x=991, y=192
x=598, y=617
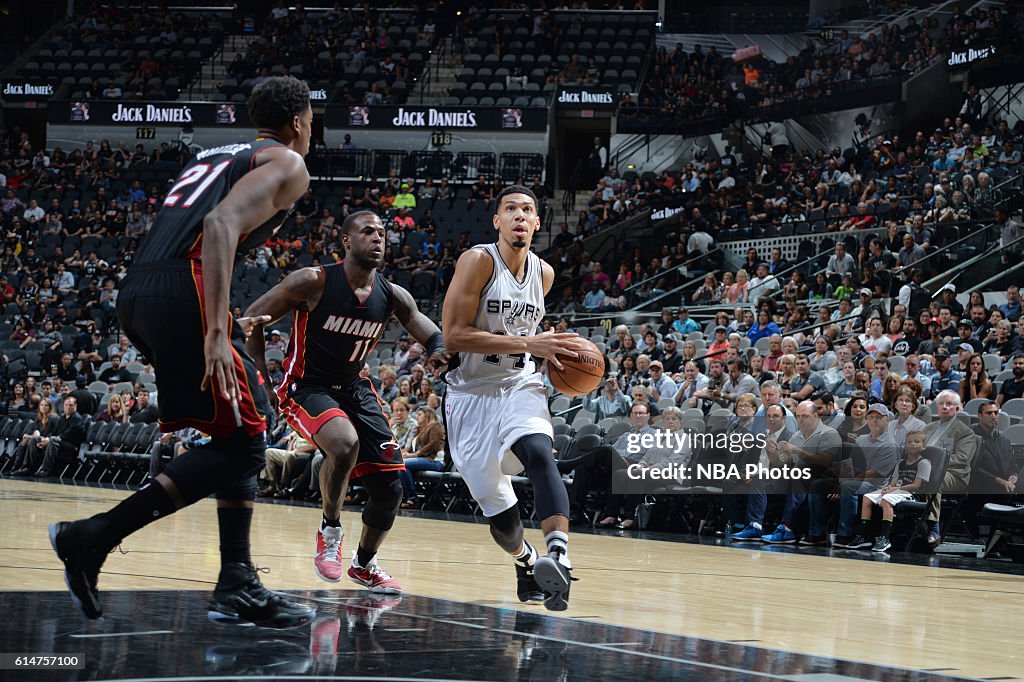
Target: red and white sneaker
x=373, y=578
x=327, y=561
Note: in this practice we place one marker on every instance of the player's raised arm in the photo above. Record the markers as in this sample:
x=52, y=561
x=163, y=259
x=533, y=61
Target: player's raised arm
x=419, y=326
x=298, y=291
x=256, y=198
x=472, y=273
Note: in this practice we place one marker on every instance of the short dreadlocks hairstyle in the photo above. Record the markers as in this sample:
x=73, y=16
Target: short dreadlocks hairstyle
x=274, y=102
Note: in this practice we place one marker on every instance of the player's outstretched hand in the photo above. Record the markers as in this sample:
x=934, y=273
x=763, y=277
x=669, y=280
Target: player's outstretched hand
x=550, y=345
x=249, y=323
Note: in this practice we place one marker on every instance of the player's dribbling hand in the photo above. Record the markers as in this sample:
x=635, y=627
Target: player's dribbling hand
x=549, y=345
x=249, y=323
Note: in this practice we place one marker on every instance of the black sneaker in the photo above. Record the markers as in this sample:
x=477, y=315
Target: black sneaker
x=82, y=559
x=526, y=585
x=554, y=577
x=241, y=599
x=881, y=545
x=860, y=542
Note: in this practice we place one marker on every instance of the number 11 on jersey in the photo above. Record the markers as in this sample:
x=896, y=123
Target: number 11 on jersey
x=361, y=350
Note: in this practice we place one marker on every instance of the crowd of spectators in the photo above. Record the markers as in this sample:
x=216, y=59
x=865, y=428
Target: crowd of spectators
x=929, y=189
x=705, y=84
x=366, y=57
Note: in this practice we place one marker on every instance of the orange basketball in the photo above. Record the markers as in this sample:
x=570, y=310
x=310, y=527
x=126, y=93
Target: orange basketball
x=582, y=373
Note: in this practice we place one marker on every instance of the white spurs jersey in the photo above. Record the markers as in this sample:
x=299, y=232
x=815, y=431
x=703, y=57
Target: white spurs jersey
x=506, y=307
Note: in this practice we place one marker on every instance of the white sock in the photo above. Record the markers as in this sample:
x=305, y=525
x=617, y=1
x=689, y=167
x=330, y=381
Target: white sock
x=528, y=555
x=558, y=542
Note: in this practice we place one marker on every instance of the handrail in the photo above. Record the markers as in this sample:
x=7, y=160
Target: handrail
x=947, y=247
x=802, y=330
x=975, y=259
x=668, y=270
x=679, y=289
x=999, y=275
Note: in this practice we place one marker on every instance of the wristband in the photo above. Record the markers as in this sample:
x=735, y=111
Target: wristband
x=434, y=344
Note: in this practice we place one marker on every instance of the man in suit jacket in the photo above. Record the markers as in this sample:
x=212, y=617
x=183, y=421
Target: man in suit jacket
x=957, y=438
x=66, y=438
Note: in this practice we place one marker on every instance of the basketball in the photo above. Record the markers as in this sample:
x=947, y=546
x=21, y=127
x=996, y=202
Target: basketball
x=580, y=374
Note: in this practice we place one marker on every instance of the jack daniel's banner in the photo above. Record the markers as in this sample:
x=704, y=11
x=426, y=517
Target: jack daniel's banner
x=134, y=113
x=411, y=117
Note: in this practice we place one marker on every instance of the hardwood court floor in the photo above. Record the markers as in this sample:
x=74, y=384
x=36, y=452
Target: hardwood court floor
x=916, y=617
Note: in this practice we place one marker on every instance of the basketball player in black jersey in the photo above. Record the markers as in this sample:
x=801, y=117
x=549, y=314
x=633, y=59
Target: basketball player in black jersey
x=174, y=307
x=340, y=312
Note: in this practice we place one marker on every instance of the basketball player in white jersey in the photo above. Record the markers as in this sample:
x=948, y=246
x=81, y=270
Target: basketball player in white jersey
x=495, y=407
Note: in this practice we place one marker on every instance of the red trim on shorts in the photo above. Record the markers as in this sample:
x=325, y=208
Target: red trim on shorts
x=364, y=468
x=381, y=403
x=223, y=423
x=295, y=364
x=304, y=422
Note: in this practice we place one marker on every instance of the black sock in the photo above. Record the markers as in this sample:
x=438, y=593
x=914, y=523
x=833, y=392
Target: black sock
x=862, y=529
x=142, y=508
x=234, y=524
x=886, y=528
x=364, y=556
x=331, y=523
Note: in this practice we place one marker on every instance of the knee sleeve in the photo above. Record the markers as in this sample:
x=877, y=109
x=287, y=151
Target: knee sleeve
x=549, y=494
x=507, y=529
x=385, y=496
x=227, y=466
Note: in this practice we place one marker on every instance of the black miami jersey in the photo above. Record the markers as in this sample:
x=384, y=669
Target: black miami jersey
x=177, y=231
x=329, y=344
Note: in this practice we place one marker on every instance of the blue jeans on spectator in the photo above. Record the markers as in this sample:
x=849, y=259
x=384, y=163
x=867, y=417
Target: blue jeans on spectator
x=757, y=502
x=416, y=464
x=849, y=493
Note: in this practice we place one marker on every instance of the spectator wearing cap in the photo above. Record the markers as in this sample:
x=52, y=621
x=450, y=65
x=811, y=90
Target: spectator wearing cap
x=930, y=344
x=276, y=342
x=866, y=311
x=945, y=378
x=401, y=353
x=671, y=358
x=965, y=338
x=405, y=198
x=720, y=344
x=662, y=385
x=879, y=455
x=685, y=324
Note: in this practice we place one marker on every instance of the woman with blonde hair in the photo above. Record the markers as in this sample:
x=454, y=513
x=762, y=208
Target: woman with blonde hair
x=114, y=412
x=739, y=288
x=786, y=371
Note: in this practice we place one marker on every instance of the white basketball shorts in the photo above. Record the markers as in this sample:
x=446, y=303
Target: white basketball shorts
x=482, y=426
